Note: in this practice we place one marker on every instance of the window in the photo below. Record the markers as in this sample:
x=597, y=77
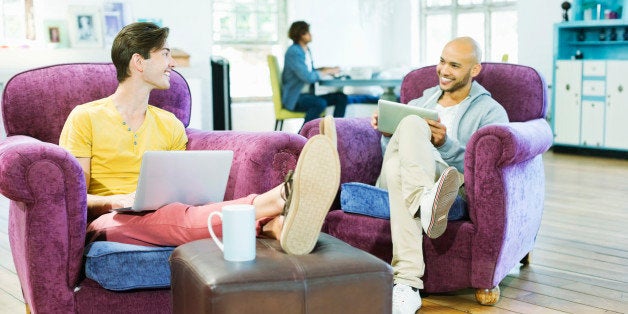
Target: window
x=245, y=32
x=492, y=23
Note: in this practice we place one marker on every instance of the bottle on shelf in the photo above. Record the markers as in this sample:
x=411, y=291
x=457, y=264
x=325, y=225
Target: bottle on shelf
x=582, y=36
x=602, y=35
x=626, y=33
x=613, y=35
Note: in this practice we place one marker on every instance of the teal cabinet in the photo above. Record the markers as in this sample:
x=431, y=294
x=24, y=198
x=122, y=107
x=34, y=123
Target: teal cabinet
x=590, y=103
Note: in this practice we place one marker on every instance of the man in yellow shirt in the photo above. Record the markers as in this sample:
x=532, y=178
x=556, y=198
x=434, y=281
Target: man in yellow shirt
x=110, y=135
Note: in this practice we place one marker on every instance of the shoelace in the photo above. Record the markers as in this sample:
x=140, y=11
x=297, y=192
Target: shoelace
x=287, y=191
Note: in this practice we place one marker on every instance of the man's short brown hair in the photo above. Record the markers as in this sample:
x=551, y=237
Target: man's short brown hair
x=142, y=38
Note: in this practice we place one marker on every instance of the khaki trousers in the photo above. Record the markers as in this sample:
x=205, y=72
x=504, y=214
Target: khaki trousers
x=410, y=166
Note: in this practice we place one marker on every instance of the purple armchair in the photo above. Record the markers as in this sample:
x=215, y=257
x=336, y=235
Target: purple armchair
x=504, y=182
x=46, y=187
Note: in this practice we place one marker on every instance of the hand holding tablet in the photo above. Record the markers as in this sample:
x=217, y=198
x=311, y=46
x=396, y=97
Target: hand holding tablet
x=391, y=113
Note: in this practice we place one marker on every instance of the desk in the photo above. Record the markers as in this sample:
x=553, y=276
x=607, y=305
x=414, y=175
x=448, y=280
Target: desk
x=388, y=85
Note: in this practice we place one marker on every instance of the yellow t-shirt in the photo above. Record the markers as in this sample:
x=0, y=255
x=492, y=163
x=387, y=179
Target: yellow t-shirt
x=96, y=130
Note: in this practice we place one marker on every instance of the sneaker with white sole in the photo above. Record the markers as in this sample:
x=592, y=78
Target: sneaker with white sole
x=405, y=299
x=313, y=189
x=436, y=202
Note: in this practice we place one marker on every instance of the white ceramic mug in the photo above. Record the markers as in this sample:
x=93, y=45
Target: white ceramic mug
x=238, y=232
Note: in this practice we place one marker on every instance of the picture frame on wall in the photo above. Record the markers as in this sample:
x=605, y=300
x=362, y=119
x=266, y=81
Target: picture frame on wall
x=56, y=33
x=116, y=16
x=85, y=26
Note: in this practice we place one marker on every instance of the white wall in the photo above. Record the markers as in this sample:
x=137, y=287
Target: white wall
x=382, y=36
x=536, y=33
x=346, y=33
x=190, y=34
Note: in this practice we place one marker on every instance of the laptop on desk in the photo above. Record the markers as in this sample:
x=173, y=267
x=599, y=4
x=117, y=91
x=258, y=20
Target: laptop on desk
x=194, y=177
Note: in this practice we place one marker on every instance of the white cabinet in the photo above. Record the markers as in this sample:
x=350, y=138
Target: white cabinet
x=592, y=124
x=591, y=104
x=616, y=128
x=567, y=102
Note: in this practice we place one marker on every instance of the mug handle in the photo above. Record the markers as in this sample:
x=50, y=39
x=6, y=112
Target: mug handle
x=211, y=230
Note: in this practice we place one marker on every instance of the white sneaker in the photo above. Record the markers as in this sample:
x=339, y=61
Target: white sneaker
x=436, y=202
x=405, y=300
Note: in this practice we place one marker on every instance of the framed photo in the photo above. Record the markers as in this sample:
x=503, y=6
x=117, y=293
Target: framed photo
x=116, y=16
x=85, y=26
x=56, y=33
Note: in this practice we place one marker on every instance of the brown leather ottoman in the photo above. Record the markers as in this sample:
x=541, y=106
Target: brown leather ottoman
x=334, y=278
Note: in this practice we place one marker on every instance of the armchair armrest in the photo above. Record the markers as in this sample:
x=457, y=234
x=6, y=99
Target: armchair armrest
x=505, y=185
x=48, y=213
x=260, y=160
x=519, y=141
x=494, y=148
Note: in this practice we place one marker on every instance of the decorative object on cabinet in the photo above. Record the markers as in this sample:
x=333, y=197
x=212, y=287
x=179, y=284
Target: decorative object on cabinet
x=565, y=6
x=613, y=35
x=581, y=35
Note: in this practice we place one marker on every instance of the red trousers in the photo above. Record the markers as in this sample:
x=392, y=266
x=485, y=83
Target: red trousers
x=170, y=225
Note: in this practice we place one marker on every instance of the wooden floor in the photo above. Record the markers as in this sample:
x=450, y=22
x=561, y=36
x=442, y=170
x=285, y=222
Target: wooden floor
x=579, y=265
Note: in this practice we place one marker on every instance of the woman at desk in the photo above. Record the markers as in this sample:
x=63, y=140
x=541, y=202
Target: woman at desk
x=299, y=76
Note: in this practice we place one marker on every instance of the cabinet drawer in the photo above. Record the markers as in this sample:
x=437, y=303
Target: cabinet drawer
x=594, y=68
x=593, y=88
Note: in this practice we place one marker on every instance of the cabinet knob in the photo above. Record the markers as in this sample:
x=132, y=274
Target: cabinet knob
x=620, y=88
x=567, y=87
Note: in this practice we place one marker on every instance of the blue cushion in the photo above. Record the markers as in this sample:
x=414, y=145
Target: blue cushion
x=118, y=266
x=362, y=99
x=364, y=199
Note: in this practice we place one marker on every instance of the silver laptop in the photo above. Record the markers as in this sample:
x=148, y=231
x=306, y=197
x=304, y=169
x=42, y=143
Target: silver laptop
x=194, y=177
x=390, y=114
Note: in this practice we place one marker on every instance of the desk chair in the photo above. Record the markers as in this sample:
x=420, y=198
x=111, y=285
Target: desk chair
x=281, y=113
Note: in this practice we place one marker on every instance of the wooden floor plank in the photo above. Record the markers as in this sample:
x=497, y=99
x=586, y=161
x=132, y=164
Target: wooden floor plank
x=606, y=290
x=564, y=294
x=575, y=247
x=550, y=302
x=582, y=266
x=465, y=301
x=11, y=305
x=10, y=285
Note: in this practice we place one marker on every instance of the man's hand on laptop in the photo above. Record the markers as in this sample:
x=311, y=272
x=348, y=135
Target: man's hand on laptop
x=98, y=205
x=122, y=200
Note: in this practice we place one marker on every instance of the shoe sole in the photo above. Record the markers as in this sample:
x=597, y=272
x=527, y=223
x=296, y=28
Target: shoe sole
x=446, y=193
x=314, y=188
x=327, y=127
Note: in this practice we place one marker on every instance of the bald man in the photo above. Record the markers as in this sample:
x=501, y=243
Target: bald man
x=423, y=162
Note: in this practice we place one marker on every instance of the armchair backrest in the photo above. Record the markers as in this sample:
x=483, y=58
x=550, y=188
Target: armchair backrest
x=37, y=102
x=520, y=89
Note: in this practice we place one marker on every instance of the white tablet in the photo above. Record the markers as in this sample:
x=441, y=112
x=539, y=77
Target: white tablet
x=391, y=113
